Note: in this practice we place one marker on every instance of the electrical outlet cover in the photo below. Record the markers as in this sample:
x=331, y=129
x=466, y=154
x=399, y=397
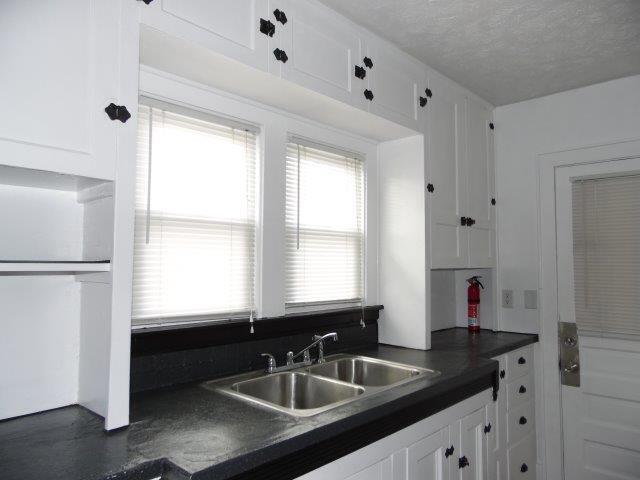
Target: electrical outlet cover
x=507, y=298
x=531, y=299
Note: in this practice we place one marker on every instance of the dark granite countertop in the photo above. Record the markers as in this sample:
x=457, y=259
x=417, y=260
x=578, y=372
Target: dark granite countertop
x=191, y=432
x=486, y=343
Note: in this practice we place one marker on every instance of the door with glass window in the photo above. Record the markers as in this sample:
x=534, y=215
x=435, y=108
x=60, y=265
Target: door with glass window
x=598, y=268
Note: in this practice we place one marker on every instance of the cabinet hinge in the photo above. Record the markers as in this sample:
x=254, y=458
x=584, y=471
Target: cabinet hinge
x=493, y=201
x=502, y=373
x=368, y=94
x=430, y=187
x=367, y=62
x=267, y=27
x=360, y=72
x=280, y=16
x=463, y=462
x=427, y=92
x=463, y=221
x=117, y=112
x=280, y=55
x=448, y=451
x=423, y=101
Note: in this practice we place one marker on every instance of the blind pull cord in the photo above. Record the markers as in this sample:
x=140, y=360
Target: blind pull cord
x=298, y=204
x=253, y=269
x=148, y=219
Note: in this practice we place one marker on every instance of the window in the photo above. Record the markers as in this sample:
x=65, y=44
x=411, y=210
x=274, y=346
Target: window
x=606, y=255
x=194, y=252
x=324, y=226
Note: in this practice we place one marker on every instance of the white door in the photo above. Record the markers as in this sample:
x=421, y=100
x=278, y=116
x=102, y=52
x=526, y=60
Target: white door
x=601, y=416
x=381, y=470
x=395, y=82
x=446, y=176
x=472, y=454
x=229, y=27
x=427, y=457
x=480, y=185
x=322, y=51
x=55, y=84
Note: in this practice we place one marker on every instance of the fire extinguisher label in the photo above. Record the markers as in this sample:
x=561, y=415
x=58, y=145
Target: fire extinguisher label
x=472, y=314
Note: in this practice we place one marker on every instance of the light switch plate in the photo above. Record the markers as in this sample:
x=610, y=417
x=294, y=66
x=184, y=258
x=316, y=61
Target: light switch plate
x=507, y=298
x=531, y=299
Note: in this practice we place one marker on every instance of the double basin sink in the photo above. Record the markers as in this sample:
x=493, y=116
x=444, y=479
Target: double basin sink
x=316, y=388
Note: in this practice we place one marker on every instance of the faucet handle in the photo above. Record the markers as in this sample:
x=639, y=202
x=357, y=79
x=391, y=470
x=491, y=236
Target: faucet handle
x=271, y=362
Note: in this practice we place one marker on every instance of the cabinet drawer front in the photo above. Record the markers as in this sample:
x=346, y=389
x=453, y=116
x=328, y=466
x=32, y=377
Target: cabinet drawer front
x=519, y=391
x=522, y=459
x=520, y=421
x=519, y=363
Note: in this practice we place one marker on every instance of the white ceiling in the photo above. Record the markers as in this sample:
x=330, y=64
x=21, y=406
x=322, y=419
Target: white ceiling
x=510, y=50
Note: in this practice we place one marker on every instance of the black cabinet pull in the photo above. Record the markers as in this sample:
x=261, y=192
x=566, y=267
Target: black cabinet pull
x=522, y=389
x=367, y=62
x=521, y=361
x=522, y=421
x=427, y=92
x=448, y=451
x=463, y=221
x=368, y=94
x=117, y=112
x=487, y=428
x=423, y=101
x=430, y=187
x=524, y=468
x=493, y=201
x=470, y=222
x=281, y=55
x=502, y=373
x=360, y=72
x=280, y=16
x=147, y=1
x=491, y=126
x=267, y=27
x=463, y=462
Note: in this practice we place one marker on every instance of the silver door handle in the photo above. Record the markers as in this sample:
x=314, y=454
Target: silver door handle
x=571, y=367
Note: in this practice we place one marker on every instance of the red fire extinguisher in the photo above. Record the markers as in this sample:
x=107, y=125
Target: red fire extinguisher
x=473, y=303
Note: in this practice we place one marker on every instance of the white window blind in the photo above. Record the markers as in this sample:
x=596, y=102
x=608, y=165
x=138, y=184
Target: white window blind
x=324, y=226
x=606, y=249
x=194, y=252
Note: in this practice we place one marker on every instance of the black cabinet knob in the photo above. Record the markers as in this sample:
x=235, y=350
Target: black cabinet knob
x=427, y=92
x=502, y=373
x=423, y=101
x=360, y=72
x=522, y=389
x=521, y=361
x=448, y=451
x=493, y=201
x=267, y=27
x=367, y=62
x=524, y=468
x=430, y=187
x=117, y=112
x=280, y=16
x=368, y=94
x=463, y=221
x=280, y=55
x=487, y=428
x=470, y=222
x=522, y=421
x=463, y=462
x=491, y=126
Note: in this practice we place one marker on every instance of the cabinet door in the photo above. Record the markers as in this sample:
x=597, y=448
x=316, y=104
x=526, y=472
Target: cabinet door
x=322, y=50
x=480, y=185
x=426, y=458
x=471, y=456
x=446, y=172
x=228, y=27
x=378, y=471
x=394, y=81
x=61, y=74
x=492, y=453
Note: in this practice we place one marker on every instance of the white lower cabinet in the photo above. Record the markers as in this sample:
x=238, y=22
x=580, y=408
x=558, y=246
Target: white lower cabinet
x=452, y=444
x=515, y=452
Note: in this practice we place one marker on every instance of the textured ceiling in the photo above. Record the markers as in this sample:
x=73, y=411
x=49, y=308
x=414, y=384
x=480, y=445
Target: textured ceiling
x=510, y=50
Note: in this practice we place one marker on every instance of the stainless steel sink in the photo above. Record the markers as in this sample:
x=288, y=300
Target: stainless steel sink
x=311, y=390
x=364, y=371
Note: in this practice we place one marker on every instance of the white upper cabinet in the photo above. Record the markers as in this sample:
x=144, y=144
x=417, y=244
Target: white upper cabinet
x=480, y=185
x=395, y=81
x=241, y=30
x=60, y=75
x=446, y=175
x=321, y=50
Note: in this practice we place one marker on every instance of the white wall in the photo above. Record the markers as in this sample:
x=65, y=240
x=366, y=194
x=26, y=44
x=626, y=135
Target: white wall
x=599, y=114
x=275, y=126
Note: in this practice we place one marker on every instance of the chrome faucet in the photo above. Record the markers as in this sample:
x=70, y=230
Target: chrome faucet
x=318, y=340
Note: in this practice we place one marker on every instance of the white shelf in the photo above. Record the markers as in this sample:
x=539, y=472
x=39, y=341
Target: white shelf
x=62, y=267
